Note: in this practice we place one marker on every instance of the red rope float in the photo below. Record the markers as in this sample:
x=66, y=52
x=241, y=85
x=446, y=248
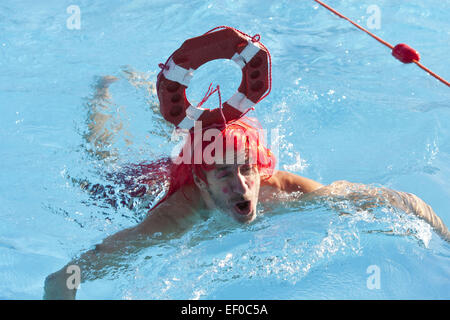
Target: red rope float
x=401, y=51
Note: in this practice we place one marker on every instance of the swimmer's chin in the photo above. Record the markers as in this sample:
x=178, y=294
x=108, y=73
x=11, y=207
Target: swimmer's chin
x=245, y=219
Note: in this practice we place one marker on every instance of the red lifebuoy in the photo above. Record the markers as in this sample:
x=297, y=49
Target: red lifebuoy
x=227, y=43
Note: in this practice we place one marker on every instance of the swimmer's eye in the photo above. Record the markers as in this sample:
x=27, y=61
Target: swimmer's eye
x=246, y=169
x=223, y=174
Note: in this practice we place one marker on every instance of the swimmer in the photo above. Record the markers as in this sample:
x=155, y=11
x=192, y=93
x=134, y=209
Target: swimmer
x=240, y=178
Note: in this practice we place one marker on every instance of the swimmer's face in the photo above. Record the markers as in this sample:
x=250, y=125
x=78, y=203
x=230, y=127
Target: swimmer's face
x=234, y=189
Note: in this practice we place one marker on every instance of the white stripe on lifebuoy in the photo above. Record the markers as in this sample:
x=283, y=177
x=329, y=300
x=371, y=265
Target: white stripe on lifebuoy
x=186, y=123
x=240, y=102
x=178, y=74
x=194, y=112
x=246, y=55
x=239, y=60
x=192, y=115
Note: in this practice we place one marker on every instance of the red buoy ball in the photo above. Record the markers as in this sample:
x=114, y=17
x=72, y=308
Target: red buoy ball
x=405, y=53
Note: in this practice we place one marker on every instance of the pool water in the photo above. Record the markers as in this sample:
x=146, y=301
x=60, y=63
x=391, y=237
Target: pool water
x=343, y=109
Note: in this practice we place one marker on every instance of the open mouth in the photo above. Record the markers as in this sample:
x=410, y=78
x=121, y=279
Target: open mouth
x=243, y=207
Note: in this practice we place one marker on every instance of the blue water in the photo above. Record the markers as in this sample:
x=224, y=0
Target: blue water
x=344, y=108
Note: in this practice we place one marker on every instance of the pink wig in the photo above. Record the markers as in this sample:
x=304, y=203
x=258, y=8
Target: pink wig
x=179, y=171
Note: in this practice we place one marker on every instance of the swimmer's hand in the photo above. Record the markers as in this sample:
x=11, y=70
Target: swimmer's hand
x=56, y=288
x=171, y=219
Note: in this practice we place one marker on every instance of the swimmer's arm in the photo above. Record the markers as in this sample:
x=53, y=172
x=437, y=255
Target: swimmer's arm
x=89, y=264
x=370, y=197
x=101, y=127
x=412, y=204
x=171, y=217
x=289, y=182
x=365, y=198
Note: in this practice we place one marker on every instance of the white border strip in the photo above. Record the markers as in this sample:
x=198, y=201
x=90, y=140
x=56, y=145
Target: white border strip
x=240, y=102
x=177, y=73
x=246, y=55
x=192, y=114
x=186, y=123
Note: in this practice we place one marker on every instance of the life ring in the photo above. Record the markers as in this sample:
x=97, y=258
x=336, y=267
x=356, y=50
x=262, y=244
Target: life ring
x=227, y=43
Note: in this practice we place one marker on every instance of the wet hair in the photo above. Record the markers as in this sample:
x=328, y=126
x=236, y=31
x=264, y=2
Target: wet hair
x=244, y=134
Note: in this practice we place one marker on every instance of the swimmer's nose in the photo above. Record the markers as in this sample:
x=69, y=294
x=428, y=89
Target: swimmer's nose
x=239, y=184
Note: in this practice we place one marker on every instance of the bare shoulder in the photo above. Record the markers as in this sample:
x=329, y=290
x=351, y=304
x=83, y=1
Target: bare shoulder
x=179, y=211
x=290, y=182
